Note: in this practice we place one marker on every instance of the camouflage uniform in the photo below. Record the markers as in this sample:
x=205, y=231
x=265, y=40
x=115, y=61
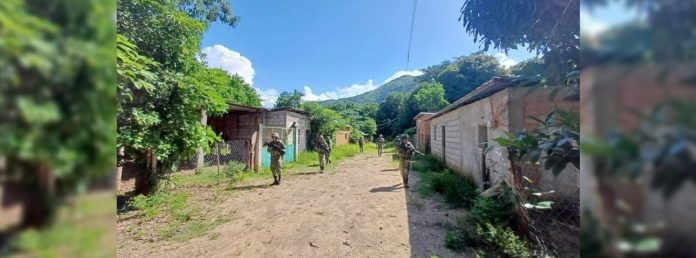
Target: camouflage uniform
x=330, y=144
x=361, y=143
x=380, y=145
x=276, y=160
x=405, y=149
x=323, y=150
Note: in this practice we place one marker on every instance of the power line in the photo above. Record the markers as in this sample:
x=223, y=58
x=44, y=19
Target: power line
x=410, y=35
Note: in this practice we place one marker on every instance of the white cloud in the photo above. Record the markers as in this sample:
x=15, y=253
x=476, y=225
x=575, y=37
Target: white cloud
x=402, y=73
x=589, y=25
x=218, y=56
x=356, y=89
x=268, y=97
x=505, y=60
x=345, y=92
x=310, y=96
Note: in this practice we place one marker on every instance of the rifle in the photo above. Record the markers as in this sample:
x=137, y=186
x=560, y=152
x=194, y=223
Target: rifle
x=413, y=149
x=275, y=147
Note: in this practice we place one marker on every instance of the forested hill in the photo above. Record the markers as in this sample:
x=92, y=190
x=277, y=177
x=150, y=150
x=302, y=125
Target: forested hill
x=404, y=84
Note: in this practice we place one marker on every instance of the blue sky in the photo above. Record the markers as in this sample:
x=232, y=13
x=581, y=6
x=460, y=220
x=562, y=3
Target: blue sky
x=333, y=49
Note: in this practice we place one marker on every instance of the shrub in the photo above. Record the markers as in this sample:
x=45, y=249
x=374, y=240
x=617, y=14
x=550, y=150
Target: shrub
x=458, y=191
x=427, y=163
x=455, y=240
x=233, y=169
x=504, y=239
x=496, y=210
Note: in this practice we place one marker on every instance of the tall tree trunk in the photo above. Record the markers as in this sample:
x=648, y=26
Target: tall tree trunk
x=119, y=167
x=142, y=178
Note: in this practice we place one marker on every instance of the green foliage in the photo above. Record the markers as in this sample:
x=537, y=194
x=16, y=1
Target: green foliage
x=56, y=92
x=455, y=240
x=496, y=210
x=162, y=87
x=233, y=170
x=466, y=73
x=557, y=136
x=388, y=113
x=162, y=32
x=551, y=28
x=533, y=67
x=209, y=11
x=428, y=97
x=323, y=120
x=289, y=100
x=161, y=201
x=460, y=192
x=92, y=214
x=503, y=239
x=361, y=118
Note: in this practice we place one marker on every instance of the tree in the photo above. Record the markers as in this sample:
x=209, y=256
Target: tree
x=289, y=100
x=533, y=67
x=210, y=11
x=159, y=114
x=388, y=113
x=550, y=28
x=57, y=95
x=466, y=74
x=322, y=120
x=428, y=97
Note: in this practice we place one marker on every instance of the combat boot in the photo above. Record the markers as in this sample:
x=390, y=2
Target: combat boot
x=278, y=180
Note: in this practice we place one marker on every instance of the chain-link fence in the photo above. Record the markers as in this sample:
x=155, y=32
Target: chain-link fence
x=221, y=154
x=548, y=209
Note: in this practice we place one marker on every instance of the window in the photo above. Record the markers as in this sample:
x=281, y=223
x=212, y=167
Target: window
x=483, y=136
x=434, y=133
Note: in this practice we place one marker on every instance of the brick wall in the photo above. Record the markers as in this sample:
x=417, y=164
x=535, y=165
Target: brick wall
x=343, y=137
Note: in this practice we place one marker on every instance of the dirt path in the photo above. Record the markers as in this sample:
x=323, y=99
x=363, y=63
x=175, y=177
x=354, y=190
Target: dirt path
x=357, y=209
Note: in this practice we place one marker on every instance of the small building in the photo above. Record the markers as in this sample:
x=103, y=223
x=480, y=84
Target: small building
x=343, y=136
x=461, y=131
x=423, y=131
x=244, y=130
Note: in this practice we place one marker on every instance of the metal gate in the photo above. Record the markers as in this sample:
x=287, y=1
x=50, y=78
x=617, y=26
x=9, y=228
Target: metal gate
x=287, y=135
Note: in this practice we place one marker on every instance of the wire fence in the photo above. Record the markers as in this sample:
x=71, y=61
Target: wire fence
x=548, y=216
x=221, y=154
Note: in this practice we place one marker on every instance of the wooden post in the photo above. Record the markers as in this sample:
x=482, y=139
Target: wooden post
x=217, y=156
x=200, y=162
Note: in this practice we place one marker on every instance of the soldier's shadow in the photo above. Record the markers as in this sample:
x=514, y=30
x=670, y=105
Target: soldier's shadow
x=387, y=188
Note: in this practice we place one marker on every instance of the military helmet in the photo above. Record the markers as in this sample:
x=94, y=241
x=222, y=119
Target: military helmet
x=404, y=137
x=275, y=135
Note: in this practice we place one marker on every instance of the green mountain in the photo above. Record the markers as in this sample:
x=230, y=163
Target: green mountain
x=404, y=84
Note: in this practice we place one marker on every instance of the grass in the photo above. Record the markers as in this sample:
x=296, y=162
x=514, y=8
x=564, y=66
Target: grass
x=458, y=191
x=311, y=158
x=84, y=229
x=487, y=227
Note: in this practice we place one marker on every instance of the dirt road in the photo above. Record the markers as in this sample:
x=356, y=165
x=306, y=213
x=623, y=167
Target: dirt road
x=357, y=209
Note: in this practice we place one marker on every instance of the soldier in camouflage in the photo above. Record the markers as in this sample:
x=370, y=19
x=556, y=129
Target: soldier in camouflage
x=323, y=150
x=275, y=146
x=330, y=144
x=406, y=150
x=380, y=145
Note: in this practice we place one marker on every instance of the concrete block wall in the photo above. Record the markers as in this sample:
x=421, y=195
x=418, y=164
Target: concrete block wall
x=247, y=126
x=302, y=125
